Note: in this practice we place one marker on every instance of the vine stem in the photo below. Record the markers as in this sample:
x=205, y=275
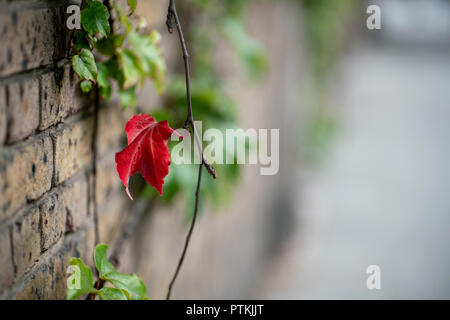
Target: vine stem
x=172, y=15
x=188, y=237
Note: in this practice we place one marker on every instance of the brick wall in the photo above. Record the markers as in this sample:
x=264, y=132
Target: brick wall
x=50, y=195
x=58, y=184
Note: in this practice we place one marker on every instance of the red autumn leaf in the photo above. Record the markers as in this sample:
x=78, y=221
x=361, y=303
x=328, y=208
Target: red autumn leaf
x=147, y=151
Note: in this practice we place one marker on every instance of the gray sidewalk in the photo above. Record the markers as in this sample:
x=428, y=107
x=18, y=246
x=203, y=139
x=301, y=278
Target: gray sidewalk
x=382, y=196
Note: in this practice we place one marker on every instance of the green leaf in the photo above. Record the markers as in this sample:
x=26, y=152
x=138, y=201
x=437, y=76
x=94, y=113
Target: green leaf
x=81, y=42
x=103, y=80
x=123, y=18
x=132, y=4
x=128, y=98
x=107, y=46
x=150, y=57
x=115, y=71
x=84, y=65
x=130, y=67
x=101, y=260
x=86, y=86
x=131, y=284
x=92, y=38
x=81, y=282
x=95, y=19
x=112, y=294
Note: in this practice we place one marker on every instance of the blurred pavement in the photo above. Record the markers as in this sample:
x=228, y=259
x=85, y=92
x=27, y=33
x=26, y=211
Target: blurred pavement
x=382, y=196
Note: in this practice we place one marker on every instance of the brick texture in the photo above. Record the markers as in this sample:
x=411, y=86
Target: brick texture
x=46, y=158
x=26, y=241
x=22, y=109
x=53, y=220
x=40, y=285
x=60, y=96
x=73, y=145
x=2, y=115
x=75, y=203
x=7, y=274
x=111, y=129
x=25, y=174
x=107, y=184
x=30, y=38
x=111, y=218
x=50, y=194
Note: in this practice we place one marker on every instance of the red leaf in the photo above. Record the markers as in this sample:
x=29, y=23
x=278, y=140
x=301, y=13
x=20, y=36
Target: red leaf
x=147, y=151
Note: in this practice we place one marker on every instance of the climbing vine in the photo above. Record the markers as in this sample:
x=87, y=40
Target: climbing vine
x=121, y=58
x=115, y=51
x=122, y=286
x=209, y=25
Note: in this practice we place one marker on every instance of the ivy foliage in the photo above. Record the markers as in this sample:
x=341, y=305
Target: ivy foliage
x=123, y=58
x=210, y=22
x=124, y=286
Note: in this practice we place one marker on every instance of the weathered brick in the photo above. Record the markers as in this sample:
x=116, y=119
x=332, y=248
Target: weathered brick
x=60, y=96
x=88, y=245
x=22, y=109
x=108, y=182
x=111, y=135
x=91, y=194
x=25, y=173
x=60, y=275
x=75, y=203
x=28, y=39
x=26, y=241
x=53, y=220
x=111, y=219
x=39, y=286
x=7, y=270
x=82, y=243
x=2, y=115
x=72, y=148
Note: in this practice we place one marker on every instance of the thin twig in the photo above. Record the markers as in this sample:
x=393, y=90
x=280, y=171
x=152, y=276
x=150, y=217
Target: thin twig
x=188, y=238
x=173, y=16
x=98, y=286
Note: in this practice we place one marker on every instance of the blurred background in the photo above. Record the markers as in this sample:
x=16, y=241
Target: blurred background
x=364, y=123
x=363, y=118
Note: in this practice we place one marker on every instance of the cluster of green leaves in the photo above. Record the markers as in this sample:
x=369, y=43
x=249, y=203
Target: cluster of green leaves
x=124, y=286
x=211, y=101
x=125, y=57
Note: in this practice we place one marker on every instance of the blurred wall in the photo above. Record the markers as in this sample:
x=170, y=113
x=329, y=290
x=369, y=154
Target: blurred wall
x=57, y=175
x=230, y=245
x=58, y=183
